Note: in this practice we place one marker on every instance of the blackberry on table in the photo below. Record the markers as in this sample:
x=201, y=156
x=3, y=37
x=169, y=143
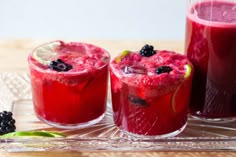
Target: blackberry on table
x=147, y=50
x=7, y=122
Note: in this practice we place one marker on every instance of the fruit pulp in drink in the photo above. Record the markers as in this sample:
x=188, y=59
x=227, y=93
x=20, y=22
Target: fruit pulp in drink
x=72, y=98
x=211, y=47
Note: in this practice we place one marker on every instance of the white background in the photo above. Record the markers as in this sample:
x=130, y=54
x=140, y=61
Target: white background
x=93, y=19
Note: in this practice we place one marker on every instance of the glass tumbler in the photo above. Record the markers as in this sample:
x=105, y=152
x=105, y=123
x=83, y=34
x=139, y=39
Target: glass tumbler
x=150, y=94
x=69, y=83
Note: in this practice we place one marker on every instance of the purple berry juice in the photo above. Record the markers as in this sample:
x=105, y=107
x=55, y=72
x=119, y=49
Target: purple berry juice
x=150, y=92
x=69, y=83
x=211, y=47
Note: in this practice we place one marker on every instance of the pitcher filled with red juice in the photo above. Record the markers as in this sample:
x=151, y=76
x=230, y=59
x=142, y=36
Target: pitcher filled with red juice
x=69, y=83
x=211, y=46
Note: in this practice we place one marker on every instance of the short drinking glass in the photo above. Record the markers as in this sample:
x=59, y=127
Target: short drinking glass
x=150, y=92
x=69, y=83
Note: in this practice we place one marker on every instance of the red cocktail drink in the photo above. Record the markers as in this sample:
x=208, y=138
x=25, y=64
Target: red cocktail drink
x=69, y=83
x=150, y=93
x=211, y=47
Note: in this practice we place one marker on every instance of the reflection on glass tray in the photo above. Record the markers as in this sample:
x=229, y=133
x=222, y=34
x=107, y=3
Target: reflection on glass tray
x=15, y=95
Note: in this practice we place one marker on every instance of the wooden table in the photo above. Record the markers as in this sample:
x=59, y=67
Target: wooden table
x=13, y=58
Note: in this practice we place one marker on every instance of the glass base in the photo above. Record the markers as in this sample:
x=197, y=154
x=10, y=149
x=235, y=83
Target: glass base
x=172, y=134
x=215, y=120
x=72, y=126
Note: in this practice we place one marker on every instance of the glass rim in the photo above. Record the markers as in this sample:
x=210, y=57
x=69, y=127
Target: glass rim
x=191, y=7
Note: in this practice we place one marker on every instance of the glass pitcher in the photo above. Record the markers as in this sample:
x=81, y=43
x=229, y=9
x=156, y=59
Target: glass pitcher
x=210, y=44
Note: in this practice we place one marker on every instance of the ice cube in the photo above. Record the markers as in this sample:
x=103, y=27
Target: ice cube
x=135, y=70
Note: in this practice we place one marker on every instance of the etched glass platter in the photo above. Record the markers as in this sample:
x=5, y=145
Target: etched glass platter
x=15, y=96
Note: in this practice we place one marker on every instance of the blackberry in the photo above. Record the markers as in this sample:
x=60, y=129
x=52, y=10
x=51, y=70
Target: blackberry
x=59, y=65
x=147, y=50
x=163, y=69
x=137, y=101
x=7, y=122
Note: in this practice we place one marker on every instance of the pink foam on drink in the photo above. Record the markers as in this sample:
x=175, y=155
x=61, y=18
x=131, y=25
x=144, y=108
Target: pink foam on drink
x=83, y=57
x=165, y=82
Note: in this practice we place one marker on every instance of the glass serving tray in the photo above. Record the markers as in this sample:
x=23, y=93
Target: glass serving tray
x=15, y=95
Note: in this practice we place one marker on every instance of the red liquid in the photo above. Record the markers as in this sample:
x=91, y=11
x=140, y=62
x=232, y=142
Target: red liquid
x=148, y=103
x=211, y=47
x=67, y=99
